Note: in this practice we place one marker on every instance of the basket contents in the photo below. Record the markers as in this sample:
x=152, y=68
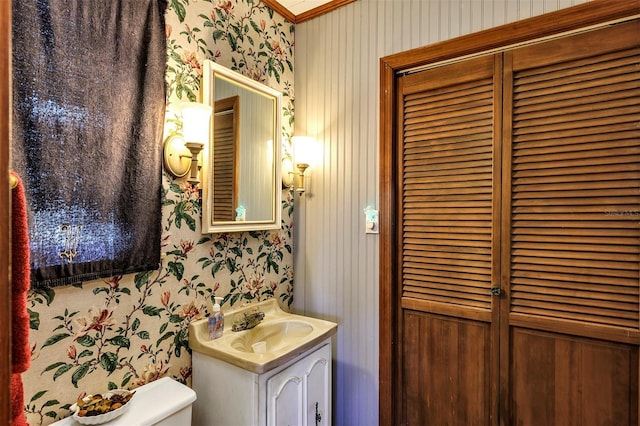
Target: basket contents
x=95, y=405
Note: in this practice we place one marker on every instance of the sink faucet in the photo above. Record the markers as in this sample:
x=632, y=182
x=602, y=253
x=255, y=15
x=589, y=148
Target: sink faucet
x=247, y=320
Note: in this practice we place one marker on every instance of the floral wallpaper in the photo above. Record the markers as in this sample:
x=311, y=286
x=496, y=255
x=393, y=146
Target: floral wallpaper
x=125, y=331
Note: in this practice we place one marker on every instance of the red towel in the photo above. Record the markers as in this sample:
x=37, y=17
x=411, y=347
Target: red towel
x=20, y=269
x=17, y=402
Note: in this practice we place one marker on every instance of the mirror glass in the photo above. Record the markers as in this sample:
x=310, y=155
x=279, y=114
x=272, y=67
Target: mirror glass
x=241, y=189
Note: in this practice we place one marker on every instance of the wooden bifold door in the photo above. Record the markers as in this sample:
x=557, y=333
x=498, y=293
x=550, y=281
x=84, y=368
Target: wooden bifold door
x=517, y=194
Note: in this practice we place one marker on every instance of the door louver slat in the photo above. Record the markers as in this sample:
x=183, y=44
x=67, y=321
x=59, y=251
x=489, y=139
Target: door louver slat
x=575, y=249
x=447, y=194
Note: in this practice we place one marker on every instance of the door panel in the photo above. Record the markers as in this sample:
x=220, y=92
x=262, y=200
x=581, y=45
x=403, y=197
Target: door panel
x=558, y=379
x=285, y=398
x=448, y=187
x=575, y=176
x=447, y=370
x=318, y=388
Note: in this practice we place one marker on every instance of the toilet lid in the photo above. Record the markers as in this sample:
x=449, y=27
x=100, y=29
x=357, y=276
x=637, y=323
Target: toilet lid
x=152, y=403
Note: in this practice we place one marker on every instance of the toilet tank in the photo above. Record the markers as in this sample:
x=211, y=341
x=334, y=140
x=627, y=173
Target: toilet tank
x=164, y=402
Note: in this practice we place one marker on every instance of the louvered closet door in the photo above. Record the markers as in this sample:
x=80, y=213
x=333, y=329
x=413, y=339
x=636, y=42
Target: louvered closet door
x=449, y=234
x=572, y=257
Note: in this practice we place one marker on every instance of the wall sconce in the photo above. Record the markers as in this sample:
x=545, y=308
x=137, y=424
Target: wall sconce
x=301, y=152
x=181, y=152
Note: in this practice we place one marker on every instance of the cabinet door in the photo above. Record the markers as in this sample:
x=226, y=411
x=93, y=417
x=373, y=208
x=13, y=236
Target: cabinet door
x=285, y=397
x=299, y=394
x=318, y=387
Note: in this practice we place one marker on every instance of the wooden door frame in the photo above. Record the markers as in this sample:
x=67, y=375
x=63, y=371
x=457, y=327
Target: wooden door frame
x=5, y=216
x=594, y=13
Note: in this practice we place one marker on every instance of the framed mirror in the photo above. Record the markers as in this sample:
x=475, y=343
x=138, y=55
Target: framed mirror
x=241, y=190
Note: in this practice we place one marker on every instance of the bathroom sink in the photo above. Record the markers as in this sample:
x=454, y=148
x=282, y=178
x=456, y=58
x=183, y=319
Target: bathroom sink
x=275, y=335
x=280, y=337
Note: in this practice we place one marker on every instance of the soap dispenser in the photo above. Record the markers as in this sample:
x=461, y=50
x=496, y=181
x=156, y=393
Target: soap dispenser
x=216, y=320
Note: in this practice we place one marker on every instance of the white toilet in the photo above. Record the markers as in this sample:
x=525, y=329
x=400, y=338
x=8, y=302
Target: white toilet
x=164, y=402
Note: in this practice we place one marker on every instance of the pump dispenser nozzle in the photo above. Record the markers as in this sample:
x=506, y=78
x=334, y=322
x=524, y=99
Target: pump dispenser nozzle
x=216, y=305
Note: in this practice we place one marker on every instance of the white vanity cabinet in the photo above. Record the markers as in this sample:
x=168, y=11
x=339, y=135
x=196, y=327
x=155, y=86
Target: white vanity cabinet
x=297, y=393
x=300, y=394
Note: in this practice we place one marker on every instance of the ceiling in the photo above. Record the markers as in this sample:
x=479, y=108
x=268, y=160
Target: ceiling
x=299, y=6
x=298, y=11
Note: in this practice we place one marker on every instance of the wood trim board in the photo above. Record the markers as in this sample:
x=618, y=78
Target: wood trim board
x=5, y=216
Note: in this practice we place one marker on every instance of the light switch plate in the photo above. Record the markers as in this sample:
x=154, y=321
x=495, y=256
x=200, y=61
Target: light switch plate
x=371, y=220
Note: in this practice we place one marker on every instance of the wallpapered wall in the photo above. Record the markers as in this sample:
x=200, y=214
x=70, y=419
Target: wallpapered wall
x=125, y=331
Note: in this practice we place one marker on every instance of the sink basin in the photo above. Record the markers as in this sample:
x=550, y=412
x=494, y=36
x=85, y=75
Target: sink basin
x=276, y=335
x=280, y=337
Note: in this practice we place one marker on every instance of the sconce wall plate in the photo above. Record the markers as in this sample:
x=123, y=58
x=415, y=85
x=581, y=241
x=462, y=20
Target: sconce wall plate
x=177, y=157
x=287, y=172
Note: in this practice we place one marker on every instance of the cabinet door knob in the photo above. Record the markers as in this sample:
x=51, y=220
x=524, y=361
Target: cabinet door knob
x=318, y=415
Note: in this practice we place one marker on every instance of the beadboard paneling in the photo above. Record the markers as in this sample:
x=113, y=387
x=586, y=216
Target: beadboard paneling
x=337, y=102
